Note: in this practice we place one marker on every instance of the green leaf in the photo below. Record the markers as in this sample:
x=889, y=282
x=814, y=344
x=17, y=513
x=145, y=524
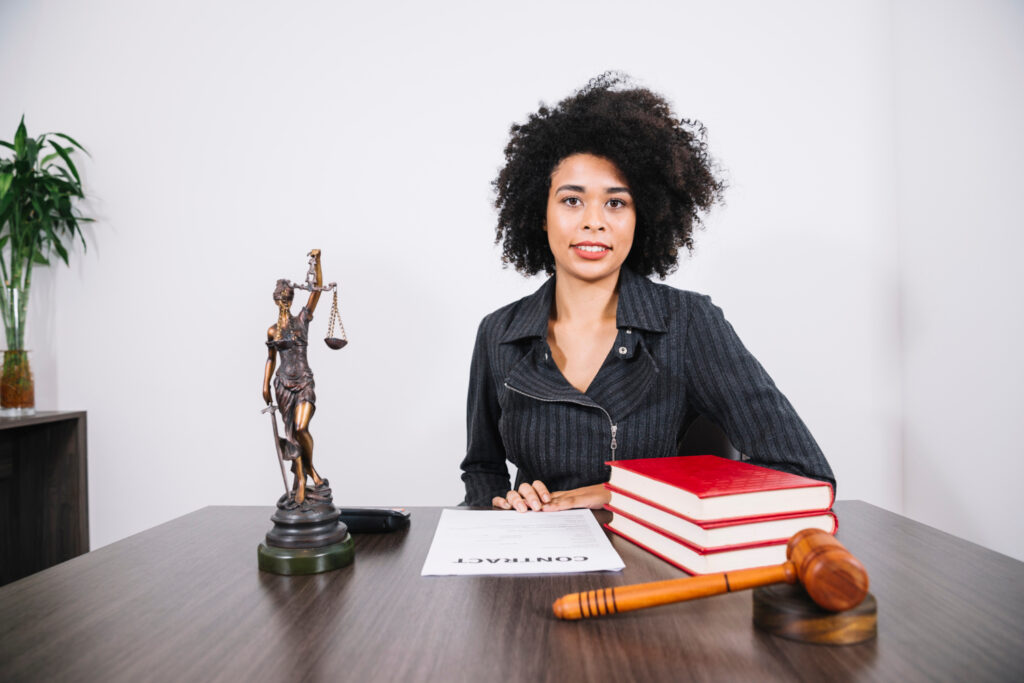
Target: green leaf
x=61, y=251
x=5, y=183
x=8, y=145
x=67, y=159
x=57, y=186
x=42, y=215
x=54, y=239
x=19, y=137
x=72, y=141
x=4, y=240
x=31, y=151
x=70, y=182
x=61, y=204
x=40, y=259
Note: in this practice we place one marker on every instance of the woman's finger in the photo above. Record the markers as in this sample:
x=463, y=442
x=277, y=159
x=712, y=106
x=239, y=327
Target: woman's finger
x=500, y=503
x=531, y=497
x=564, y=503
x=542, y=491
x=593, y=497
x=516, y=501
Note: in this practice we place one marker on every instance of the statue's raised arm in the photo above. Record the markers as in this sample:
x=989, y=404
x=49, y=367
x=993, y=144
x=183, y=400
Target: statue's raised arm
x=315, y=279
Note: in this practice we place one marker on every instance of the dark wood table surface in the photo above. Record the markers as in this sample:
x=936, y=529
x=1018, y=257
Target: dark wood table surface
x=185, y=601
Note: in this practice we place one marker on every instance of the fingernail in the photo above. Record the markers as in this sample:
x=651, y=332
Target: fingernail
x=547, y=498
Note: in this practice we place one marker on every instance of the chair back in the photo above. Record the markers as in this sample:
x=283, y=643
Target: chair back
x=704, y=437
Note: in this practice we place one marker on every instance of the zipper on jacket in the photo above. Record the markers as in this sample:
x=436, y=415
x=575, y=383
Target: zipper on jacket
x=615, y=428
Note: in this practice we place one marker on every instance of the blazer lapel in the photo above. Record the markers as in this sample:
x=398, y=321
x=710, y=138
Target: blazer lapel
x=537, y=376
x=622, y=383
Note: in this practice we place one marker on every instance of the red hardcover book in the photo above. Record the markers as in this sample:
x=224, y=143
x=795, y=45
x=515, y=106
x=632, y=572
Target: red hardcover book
x=719, y=534
x=691, y=559
x=706, y=487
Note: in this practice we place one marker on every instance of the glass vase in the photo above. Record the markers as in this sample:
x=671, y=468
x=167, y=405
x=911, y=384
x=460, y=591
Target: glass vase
x=17, y=388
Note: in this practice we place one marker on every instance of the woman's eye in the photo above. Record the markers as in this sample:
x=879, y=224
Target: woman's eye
x=616, y=203
x=572, y=201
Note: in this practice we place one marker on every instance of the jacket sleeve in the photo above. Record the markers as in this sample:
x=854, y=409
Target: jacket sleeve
x=729, y=386
x=484, y=471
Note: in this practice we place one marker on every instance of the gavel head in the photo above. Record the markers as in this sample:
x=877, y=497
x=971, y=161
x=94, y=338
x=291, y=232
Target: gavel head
x=834, y=578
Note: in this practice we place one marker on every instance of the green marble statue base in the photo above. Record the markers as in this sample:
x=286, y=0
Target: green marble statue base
x=293, y=561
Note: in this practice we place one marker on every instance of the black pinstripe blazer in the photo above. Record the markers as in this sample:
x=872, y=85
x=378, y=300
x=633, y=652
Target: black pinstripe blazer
x=675, y=357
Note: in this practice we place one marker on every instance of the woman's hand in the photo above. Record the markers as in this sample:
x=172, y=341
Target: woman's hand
x=593, y=497
x=529, y=497
x=536, y=497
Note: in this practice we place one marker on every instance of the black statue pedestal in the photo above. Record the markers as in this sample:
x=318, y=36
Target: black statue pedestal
x=308, y=538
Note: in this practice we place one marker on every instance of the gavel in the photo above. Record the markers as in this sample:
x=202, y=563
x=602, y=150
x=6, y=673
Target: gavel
x=831, y=575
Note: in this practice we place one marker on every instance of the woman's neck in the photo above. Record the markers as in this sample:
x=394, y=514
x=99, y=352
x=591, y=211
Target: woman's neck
x=580, y=302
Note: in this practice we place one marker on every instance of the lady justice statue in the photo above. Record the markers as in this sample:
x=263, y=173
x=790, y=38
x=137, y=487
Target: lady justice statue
x=307, y=536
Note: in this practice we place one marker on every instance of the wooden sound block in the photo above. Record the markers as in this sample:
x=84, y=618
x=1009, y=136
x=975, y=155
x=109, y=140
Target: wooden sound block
x=786, y=610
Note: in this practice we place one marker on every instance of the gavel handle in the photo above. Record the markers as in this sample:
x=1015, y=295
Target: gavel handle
x=638, y=596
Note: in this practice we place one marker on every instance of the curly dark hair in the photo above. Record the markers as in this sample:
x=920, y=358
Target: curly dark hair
x=664, y=159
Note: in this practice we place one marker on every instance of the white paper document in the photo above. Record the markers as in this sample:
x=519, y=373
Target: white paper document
x=509, y=542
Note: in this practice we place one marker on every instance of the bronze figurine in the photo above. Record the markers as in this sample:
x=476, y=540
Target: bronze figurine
x=288, y=339
x=307, y=536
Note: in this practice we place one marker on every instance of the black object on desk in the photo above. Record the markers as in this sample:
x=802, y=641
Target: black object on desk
x=948, y=610
x=374, y=520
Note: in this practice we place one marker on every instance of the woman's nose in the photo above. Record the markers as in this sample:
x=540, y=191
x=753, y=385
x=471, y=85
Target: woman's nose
x=593, y=219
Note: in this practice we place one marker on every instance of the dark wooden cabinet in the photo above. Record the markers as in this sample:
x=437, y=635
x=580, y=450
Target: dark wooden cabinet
x=44, y=498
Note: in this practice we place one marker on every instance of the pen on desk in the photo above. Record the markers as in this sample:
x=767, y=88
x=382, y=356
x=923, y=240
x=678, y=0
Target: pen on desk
x=832, y=576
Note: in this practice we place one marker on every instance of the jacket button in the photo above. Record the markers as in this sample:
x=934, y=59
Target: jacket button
x=623, y=350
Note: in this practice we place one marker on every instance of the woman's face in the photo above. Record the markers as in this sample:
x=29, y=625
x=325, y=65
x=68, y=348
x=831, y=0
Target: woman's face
x=590, y=218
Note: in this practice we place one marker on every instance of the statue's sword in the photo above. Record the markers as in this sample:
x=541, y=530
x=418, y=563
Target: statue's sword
x=277, y=444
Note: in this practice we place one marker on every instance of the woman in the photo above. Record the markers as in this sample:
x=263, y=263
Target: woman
x=293, y=386
x=600, y=363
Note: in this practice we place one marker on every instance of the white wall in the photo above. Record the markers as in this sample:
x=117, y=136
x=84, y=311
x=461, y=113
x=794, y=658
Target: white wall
x=230, y=138
x=960, y=70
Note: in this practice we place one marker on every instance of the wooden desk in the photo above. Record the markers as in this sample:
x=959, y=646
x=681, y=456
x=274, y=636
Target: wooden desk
x=185, y=601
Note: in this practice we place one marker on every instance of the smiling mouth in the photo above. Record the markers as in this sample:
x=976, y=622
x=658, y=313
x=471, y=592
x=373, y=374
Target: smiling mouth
x=591, y=248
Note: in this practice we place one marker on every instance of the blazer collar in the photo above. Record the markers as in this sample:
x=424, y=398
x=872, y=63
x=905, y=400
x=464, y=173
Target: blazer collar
x=640, y=307
x=531, y=316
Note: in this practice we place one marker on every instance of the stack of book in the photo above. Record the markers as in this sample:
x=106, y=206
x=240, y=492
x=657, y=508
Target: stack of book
x=707, y=514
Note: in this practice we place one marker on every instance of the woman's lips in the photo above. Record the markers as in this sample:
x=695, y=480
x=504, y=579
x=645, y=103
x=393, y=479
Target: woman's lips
x=591, y=251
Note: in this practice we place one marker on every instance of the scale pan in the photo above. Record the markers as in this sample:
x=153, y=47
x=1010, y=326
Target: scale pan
x=335, y=343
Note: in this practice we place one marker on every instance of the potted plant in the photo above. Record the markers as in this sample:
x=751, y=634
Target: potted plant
x=39, y=186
